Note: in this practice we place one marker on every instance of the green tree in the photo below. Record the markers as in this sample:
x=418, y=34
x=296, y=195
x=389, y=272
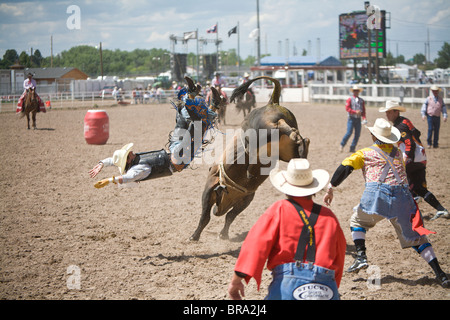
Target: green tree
x=24, y=59
x=443, y=60
x=9, y=58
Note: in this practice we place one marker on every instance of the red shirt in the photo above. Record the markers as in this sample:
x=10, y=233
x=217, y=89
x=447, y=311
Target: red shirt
x=275, y=235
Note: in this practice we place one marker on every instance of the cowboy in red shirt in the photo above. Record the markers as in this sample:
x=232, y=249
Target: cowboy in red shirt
x=297, y=238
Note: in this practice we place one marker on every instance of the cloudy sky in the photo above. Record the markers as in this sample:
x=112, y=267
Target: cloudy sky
x=131, y=24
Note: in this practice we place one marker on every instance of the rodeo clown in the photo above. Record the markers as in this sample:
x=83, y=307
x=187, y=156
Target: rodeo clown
x=193, y=120
x=386, y=196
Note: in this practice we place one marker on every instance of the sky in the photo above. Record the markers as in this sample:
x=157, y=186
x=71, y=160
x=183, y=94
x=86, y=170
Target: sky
x=296, y=25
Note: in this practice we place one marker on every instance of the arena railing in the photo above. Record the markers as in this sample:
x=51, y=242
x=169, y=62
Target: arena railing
x=62, y=100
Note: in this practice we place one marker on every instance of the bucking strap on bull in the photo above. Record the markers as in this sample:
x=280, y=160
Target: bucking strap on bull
x=193, y=120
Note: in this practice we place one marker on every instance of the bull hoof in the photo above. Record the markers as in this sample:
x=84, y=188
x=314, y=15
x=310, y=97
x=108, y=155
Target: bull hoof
x=194, y=238
x=224, y=236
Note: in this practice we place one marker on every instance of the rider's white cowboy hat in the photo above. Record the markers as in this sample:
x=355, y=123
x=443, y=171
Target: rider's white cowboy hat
x=356, y=88
x=299, y=180
x=435, y=88
x=392, y=105
x=384, y=131
x=120, y=157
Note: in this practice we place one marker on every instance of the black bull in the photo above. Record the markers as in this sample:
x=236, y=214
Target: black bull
x=232, y=183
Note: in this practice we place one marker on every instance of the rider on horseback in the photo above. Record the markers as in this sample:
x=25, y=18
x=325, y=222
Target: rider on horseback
x=28, y=83
x=192, y=114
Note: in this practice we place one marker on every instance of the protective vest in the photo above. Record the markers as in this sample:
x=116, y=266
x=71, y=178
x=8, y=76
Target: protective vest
x=158, y=160
x=434, y=107
x=356, y=105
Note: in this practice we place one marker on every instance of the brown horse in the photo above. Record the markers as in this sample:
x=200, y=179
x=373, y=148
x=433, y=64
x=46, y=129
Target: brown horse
x=245, y=102
x=30, y=105
x=232, y=183
x=222, y=106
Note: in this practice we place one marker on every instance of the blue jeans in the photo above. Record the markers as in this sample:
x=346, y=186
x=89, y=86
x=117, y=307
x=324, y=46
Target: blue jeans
x=391, y=202
x=302, y=282
x=434, y=124
x=352, y=123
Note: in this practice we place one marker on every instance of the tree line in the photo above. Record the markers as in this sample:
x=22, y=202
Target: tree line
x=92, y=60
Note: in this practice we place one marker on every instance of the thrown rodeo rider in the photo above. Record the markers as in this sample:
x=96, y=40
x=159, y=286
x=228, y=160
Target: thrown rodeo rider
x=28, y=83
x=136, y=167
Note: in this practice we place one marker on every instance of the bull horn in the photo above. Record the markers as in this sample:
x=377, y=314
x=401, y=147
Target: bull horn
x=242, y=89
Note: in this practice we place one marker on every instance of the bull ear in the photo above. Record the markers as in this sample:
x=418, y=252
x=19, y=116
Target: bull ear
x=190, y=84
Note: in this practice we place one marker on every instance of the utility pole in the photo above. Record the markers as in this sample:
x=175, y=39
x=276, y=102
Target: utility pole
x=51, y=51
x=259, y=33
x=101, y=60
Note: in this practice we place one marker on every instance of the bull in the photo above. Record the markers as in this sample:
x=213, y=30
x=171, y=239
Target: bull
x=231, y=184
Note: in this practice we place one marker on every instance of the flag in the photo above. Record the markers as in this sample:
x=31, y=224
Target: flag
x=190, y=35
x=233, y=30
x=254, y=33
x=212, y=29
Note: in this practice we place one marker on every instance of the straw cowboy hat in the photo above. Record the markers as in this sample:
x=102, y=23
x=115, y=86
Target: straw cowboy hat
x=120, y=157
x=435, y=88
x=392, y=105
x=384, y=131
x=356, y=88
x=299, y=180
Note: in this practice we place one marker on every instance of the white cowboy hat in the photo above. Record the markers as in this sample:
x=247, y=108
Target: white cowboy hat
x=299, y=180
x=120, y=157
x=435, y=88
x=384, y=131
x=246, y=75
x=356, y=88
x=392, y=105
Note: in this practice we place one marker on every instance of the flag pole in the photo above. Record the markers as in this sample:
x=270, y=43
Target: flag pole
x=217, y=45
x=198, y=60
x=239, y=55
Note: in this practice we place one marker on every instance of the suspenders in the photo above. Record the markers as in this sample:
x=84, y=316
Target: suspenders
x=389, y=163
x=307, y=240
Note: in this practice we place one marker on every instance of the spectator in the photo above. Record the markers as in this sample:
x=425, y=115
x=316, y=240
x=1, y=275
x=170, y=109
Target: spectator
x=432, y=109
x=356, y=110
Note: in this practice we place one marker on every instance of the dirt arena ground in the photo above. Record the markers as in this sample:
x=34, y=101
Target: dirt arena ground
x=133, y=243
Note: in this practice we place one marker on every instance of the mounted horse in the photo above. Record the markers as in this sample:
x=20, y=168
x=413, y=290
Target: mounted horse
x=246, y=102
x=30, y=105
x=232, y=183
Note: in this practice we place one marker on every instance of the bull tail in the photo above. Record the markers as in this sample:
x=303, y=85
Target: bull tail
x=242, y=89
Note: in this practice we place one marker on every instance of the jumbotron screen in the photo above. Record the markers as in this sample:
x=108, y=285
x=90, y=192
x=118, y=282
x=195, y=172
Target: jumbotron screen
x=353, y=36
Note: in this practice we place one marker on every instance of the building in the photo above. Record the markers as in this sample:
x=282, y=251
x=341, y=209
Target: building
x=296, y=71
x=51, y=80
x=48, y=80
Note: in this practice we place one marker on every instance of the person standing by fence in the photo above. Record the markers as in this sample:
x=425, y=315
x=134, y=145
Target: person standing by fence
x=431, y=110
x=356, y=110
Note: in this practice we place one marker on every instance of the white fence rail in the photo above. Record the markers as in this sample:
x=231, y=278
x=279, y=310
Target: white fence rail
x=8, y=103
x=412, y=95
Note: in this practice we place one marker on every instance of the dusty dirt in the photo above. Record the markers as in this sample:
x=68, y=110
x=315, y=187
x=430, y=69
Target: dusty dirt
x=133, y=243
